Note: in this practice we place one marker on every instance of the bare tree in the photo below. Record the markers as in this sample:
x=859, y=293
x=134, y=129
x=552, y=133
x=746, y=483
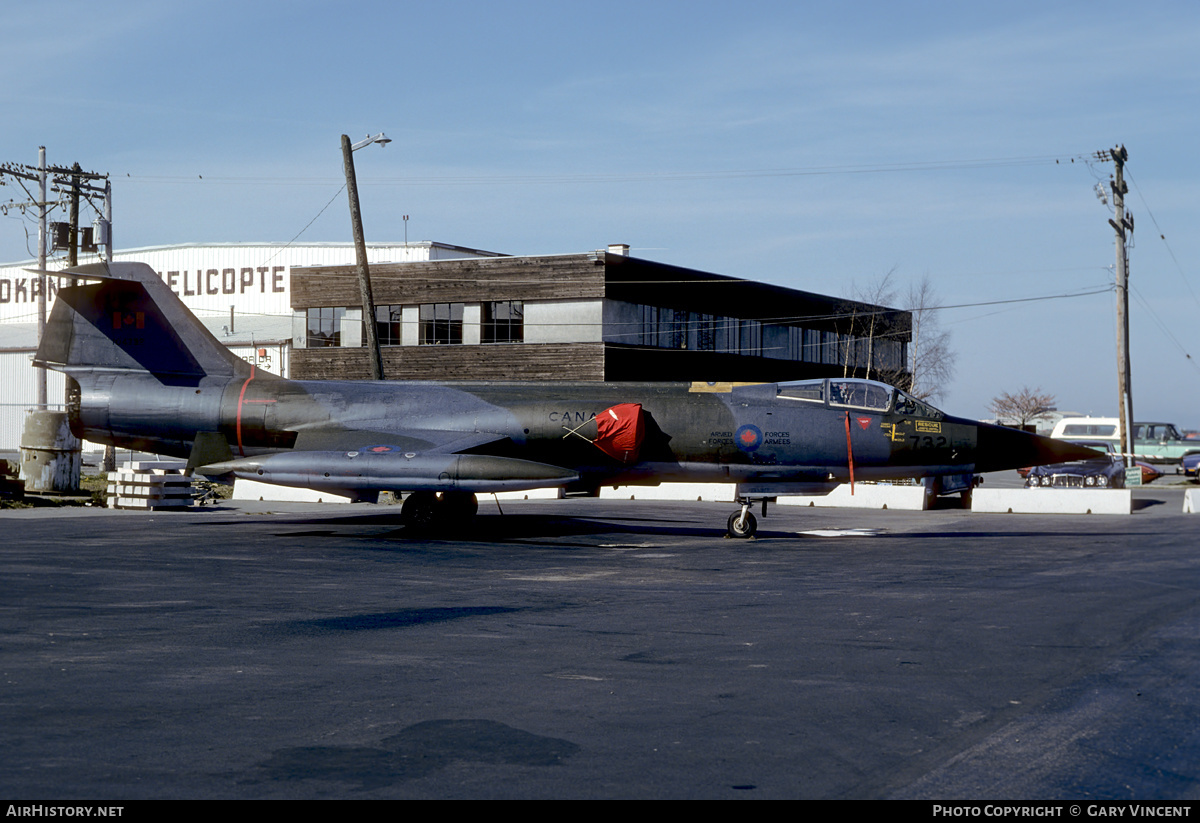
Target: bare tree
x=930, y=356
x=1024, y=407
x=880, y=292
x=929, y=365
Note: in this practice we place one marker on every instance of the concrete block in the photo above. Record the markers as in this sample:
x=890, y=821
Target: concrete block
x=253, y=490
x=1053, y=501
x=143, y=485
x=157, y=466
x=531, y=494
x=705, y=492
x=1191, y=500
x=907, y=498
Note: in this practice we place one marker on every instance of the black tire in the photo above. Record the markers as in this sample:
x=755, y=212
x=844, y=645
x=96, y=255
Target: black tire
x=742, y=528
x=420, y=510
x=457, y=508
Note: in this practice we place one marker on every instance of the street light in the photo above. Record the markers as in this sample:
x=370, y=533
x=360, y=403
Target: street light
x=381, y=138
x=360, y=250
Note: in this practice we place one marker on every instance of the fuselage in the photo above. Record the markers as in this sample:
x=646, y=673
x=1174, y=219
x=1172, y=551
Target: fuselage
x=810, y=431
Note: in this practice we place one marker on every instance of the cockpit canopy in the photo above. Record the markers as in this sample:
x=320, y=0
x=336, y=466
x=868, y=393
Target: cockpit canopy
x=854, y=393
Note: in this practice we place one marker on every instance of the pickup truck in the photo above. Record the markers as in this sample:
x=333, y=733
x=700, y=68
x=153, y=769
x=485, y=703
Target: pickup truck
x=1152, y=442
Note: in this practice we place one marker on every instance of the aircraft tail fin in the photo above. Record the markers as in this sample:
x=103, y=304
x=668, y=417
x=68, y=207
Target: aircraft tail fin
x=130, y=321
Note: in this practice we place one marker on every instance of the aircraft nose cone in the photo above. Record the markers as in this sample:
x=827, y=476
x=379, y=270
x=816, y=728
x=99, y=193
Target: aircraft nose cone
x=998, y=448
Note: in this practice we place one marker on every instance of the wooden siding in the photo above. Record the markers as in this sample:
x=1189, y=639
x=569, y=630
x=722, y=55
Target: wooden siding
x=517, y=361
x=568, y=276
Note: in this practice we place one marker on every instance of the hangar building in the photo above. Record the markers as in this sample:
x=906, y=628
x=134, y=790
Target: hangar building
x=600, y=315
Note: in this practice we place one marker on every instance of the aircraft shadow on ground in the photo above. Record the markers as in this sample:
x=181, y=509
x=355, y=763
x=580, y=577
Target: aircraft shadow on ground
x=517, y=527
x=399, y=619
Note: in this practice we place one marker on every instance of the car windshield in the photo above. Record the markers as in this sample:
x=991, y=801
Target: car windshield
x=1155, y=431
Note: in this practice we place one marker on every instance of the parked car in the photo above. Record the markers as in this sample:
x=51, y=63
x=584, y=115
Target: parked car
x=1191, y=466
x=1159, y=443
x=1149, y=473
x=1105, y=471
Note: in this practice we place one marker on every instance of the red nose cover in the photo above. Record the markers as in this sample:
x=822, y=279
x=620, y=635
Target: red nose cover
x=619, y=431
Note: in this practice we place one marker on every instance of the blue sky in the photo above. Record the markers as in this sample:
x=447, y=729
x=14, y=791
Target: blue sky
x=817, y=146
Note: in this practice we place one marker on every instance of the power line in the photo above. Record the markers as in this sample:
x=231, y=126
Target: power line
x=1163, y=238
x=630, y=177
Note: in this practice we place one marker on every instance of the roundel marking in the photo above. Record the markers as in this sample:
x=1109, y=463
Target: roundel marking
x=748, y=437
x=380, y=449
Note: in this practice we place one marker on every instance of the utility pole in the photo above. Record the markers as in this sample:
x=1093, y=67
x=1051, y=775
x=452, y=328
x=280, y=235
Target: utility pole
x=360, y=251
x=1122, y=224
x=42, y=210
x=106, y=223
x=72, y=177
x=73, y=232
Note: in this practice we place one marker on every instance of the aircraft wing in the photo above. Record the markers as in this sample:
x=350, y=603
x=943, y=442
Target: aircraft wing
x=416, y=441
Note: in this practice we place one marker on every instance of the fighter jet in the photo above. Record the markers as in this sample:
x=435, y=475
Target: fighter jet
x=145, y=374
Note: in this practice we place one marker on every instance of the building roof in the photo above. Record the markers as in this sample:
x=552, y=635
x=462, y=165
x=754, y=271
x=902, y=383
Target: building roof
x=645, y=281
x=431, y=245
x=591, y=275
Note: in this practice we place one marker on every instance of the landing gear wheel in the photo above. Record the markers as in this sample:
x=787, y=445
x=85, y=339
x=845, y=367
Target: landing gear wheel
x=420, y=511
x=457, y=508
x=427, y=511
x=742, y=525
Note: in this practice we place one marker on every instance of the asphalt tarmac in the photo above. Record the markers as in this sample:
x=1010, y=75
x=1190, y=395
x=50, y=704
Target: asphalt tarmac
x=600, y=649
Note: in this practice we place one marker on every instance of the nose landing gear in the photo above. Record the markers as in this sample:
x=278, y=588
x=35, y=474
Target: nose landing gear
x=742, y=524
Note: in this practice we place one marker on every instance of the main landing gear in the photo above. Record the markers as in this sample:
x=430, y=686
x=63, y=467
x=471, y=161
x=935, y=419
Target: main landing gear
x=742, y=523
x=426, y=511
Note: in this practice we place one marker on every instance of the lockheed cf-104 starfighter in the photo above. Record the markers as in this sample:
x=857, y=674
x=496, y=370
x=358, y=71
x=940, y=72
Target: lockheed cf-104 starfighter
x=146, y=375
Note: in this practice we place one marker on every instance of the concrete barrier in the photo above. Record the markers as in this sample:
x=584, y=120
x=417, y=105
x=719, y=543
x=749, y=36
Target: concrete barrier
x=907, y=498
x=1053, y=501
x=866, y=496
x=531, y=494
x=253, y=490
x=1191, y=502
x=703, y=492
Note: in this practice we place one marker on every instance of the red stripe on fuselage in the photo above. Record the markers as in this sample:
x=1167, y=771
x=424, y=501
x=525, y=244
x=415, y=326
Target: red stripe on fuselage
x=241, y=400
